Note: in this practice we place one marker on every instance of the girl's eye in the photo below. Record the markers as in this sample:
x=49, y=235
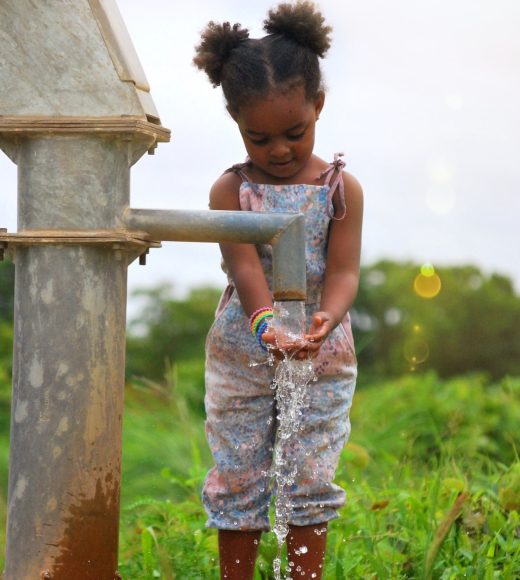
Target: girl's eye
x=296, y=137
x=259, y=141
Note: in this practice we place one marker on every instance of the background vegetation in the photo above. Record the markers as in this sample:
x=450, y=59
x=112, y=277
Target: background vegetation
x=432, y=468
x=471, y=325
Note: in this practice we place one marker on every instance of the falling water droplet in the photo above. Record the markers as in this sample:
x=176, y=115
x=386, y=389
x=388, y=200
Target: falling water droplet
x=291, y=379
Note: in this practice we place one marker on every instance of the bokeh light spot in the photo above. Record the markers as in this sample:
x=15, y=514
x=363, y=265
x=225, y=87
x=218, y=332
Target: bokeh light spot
x=416, y=351
x=427, y=270
x=427, y=286
x=393, y=316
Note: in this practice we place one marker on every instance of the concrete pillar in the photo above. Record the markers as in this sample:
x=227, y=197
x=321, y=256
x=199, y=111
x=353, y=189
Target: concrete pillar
x=70, y=304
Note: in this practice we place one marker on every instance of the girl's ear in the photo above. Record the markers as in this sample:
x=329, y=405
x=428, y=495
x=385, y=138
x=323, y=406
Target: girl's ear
x=318, y=103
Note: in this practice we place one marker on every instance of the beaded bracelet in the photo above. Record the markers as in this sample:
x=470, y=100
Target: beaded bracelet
x=258, y=323
x=258, y=315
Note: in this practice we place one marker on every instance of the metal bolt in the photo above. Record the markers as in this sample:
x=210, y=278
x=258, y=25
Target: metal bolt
x=2, y=246
x=46, y=575
x=142, y=258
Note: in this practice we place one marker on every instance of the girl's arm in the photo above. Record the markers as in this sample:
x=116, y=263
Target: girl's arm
x=342, y=268
x=241, y=260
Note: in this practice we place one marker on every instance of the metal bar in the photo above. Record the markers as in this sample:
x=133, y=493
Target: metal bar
x=284, y=231
x=289, y=266
x=209, y=225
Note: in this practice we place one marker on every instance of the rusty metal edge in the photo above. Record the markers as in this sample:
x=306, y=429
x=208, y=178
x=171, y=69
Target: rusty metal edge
x=124, y=124
x=101, y=237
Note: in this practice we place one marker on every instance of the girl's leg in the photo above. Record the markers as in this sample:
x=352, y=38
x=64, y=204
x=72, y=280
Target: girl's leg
x=316, y=452
x=240, y=427
x=306, y=550
x=238, y=554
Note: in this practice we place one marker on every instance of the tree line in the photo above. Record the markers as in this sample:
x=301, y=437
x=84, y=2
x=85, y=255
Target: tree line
x=407, y=318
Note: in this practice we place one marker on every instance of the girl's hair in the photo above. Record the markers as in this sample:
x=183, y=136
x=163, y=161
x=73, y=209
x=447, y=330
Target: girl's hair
x=287, y=57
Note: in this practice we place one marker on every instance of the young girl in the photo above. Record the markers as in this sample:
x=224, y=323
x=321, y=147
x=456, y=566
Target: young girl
x=274, y=93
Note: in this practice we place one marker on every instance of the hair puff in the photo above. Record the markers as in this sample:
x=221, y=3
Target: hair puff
x=218, y=41
x=301, y=22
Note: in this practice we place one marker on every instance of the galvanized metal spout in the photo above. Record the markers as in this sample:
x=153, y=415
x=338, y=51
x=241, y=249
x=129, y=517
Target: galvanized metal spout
x=285, y=232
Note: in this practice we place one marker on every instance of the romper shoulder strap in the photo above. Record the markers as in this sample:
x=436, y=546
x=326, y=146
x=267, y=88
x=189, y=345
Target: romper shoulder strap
x=333, y=177
x=244, y=193
x=238, y=168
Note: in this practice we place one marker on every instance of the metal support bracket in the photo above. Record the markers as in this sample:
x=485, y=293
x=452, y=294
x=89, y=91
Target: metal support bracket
x=135, y=243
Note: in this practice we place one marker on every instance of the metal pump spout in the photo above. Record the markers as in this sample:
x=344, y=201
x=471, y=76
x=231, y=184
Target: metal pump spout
x=284, y=232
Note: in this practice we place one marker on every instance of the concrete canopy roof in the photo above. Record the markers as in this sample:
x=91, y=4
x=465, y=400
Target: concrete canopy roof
x=69, y=58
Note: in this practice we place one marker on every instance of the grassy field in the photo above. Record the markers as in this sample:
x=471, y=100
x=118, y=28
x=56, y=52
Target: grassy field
x=432, y=475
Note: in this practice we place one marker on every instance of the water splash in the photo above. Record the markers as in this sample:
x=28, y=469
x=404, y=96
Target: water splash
x=291, y=379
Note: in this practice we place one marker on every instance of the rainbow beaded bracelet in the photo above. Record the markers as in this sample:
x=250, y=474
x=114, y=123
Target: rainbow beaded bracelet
x=258, y=323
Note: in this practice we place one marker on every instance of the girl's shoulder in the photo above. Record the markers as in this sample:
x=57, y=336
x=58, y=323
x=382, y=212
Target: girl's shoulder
x=351, y=190
x=224, y=193
x=351, y=184
x=347, y=199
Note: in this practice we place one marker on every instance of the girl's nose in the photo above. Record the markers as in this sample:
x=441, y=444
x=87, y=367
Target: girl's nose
x=280, y=150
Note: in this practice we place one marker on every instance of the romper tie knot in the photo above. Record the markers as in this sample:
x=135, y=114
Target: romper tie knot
x=238, y=168
x=334, y=179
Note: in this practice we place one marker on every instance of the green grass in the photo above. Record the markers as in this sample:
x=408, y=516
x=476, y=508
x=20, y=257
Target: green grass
x=431, y=471
x=432, y=476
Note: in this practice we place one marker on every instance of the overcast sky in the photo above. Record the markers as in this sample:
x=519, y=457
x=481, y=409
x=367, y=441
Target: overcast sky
x=422, y=97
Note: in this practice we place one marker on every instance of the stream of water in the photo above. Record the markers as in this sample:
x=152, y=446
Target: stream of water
x=292, y=376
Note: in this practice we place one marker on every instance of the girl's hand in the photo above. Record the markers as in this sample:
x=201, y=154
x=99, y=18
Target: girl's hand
x=279, y=347
x=321, y=326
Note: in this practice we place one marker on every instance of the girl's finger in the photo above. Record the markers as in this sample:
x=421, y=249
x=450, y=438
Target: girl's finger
x=317, y=336
x=316, y=323
x=269, y=337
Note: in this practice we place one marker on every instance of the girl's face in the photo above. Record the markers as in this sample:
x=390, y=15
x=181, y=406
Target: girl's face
x=278, y=132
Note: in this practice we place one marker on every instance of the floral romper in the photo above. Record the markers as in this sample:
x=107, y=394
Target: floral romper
x=239, y=401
